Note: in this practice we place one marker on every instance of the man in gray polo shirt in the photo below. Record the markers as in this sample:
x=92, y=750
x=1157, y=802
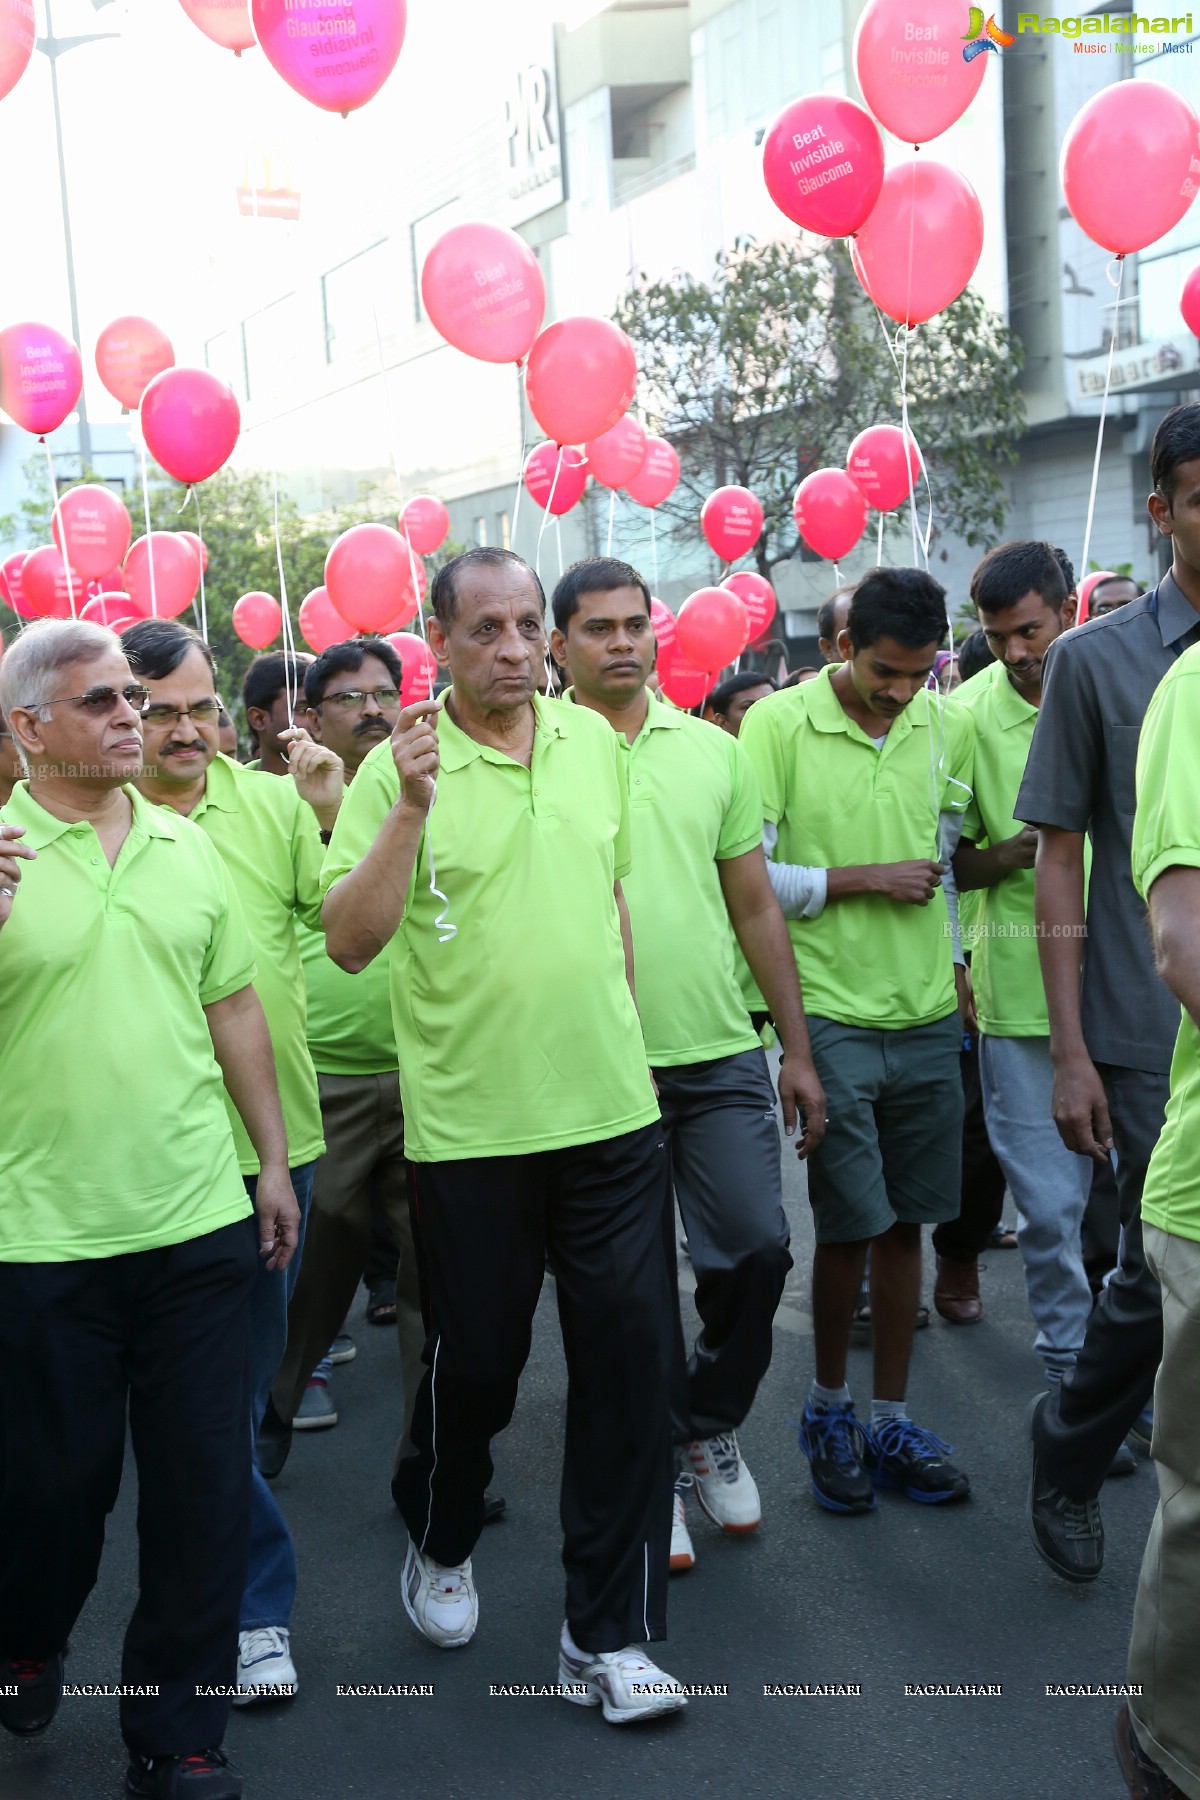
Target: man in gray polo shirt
x=1111, y=1037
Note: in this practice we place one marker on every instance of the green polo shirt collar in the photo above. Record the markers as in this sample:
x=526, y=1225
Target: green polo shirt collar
x=43, y=828
x=220, y=789
x=826, y=713
x=658, y=717
x=457, y=750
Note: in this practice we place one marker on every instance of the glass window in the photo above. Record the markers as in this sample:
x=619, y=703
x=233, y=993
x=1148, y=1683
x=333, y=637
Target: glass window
x=225, y=355
x=369, y=287
x=504, y=530
x=273, y=346
x=425, y=233
x=481, y=531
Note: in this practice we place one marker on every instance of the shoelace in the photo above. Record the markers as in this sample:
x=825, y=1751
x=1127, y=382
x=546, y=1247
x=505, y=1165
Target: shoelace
x=265, y=1641
x=447, y=1578
x=723, y=1450
x=1080, y=1518
x=835, y=1434
x=900, y=1437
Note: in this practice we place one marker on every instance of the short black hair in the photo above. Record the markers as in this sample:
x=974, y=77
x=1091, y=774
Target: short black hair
x=594, y=575
x=443, y=592
x=1010, y=571
x=826, y=612
x=733, y=685
x=267, y=677
x=1176, y=441
x=156, y=647
x=908, y=605
x=346, y=659
x=794, y=677
x=974, y=654
x=1067, y=566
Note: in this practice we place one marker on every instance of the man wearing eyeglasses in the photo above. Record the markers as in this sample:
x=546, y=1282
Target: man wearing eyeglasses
x=269, y=842
x=127, y=1246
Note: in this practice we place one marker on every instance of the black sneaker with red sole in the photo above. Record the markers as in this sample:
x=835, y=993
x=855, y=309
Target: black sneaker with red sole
x=205, y=1775
x=30, y=1691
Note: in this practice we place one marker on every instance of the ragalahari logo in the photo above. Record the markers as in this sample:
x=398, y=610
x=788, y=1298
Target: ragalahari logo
x=982, y=35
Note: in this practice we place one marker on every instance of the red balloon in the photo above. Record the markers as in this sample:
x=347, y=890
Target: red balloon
x=10, y=584
x=226, y=22
x=1129, y=164
x=409, y=605
x=199, y=546
x=258, y=619
x=321, y=624
x=713, y=627
x=823, y=164
x=580, y=378
x=616, y=457
x=176, y=575
x=425, y=523
x=911, y=68
x=92, y=527
x=919, y=248
x=17, y=33
x=665, y=627
x=731, y=519
x=561, y=472
x=1189, y=301
x=117, y=611
x=876, y=462
x=45, y=589
x=190, y=422
x=129, y=354
x=830, y=510
x=41, y=376
x=483, y=290
x=682, y=682
x=418, y=666
x=368, y=576
x=658, y=476
x=363, y=40
x=757, y=596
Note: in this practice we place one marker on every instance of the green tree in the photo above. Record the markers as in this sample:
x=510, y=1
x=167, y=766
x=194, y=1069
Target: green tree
x=767, y=372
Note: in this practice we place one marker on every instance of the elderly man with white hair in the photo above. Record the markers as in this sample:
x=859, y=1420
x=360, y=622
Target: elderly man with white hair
x=127, y=1242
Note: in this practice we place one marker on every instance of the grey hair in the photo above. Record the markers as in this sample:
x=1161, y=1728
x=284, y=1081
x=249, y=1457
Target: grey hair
x=30, y=666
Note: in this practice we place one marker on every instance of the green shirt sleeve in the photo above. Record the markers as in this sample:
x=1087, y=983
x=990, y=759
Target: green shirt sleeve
x=622, y=844
x=1166, y=827
x=741, y=828
x=228, y=962
x=307, y=852
x=369, y=799
x=759, y=739
x=957, y=759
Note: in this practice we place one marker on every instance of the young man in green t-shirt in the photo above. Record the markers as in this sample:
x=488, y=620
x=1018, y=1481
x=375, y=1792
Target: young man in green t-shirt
x=865, y=773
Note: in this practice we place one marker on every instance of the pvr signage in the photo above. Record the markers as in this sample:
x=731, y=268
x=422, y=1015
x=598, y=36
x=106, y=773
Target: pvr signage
x=531, y=127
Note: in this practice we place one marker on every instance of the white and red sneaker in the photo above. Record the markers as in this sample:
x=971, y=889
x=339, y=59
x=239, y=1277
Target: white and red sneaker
x=725, y=1487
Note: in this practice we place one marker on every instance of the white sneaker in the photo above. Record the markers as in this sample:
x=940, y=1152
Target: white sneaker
x=683, y=1555
x=265, y=1670
x=624, y=1682
x=440, y=1601
x=725, y=1487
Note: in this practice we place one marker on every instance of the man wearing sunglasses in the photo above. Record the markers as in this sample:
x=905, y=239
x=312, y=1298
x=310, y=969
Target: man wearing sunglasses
x=127, y=1245
x=269, y=842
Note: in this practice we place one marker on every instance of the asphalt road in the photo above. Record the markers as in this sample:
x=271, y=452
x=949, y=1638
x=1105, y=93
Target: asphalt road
x=906, y=1595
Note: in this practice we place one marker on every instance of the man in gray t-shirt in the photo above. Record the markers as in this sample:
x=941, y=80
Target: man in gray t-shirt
x=1111, y=1033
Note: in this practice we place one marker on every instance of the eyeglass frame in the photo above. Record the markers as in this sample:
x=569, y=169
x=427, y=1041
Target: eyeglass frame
x=136, y=690
x=181, y=712
x=354, y=699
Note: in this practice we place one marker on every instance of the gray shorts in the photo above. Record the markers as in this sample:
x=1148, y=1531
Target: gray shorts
x=893, y=1144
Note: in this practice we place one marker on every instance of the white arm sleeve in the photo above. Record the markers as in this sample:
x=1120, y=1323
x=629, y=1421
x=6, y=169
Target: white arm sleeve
x=800, y=890
x=950, y=826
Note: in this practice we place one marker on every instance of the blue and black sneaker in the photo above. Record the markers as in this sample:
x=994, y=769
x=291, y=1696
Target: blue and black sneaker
x=902, y=1455
x=835, y=1445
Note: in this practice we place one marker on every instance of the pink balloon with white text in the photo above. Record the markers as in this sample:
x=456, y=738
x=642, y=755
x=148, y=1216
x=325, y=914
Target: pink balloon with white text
x=336, y=53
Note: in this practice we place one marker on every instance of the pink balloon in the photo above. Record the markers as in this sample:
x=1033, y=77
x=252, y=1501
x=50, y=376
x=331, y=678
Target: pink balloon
x=830, y=510
x=368, y=576
x=321, y=624
x=11, y=588
x=257, y=619
x=17, y=32
x=665, y=627
x=910, y=66
x=92, y=528
x=731, y=519
x=580, y=378
x=41, y=376
x=823, y=164
x=1189, y=301
x=483, y=291
x=226, y=22
x=425, y=523
x=410, y=604
x=757, y=596
x=418, y=666
x=176, y=574
x=876, y=461
x=658, y=476
x=336, y=53
x=46, y=591
x=563, y=472
x=1130, y=164
x=713, y=627
x=682, y=681
x=190, y=422
x=199, y=546
x=616, y=457
x=918, y=250
x=117, y=611
x=129, y=354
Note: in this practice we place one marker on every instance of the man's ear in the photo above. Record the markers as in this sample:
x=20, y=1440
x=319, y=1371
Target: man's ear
x=1160, y=511
x=1070, y=611
x=258, y=719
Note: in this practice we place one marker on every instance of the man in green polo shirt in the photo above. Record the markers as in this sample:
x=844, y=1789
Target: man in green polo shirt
x=127, y=1249
x=865, y=772
x=698, y=869
x=1158, y=1738
x=1020, y=595
x=529, y=1118
x=268, y=838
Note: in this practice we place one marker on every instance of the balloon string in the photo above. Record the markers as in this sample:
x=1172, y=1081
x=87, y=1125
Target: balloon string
x=291, y=668
x=558, y=541
x=141, y=443
x=612, y=508
x=879, y=543
x=56, y=515
x=516, y=513
x=1112, y=344
x=195, y=492
x=654, y=549
x=537, y=557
